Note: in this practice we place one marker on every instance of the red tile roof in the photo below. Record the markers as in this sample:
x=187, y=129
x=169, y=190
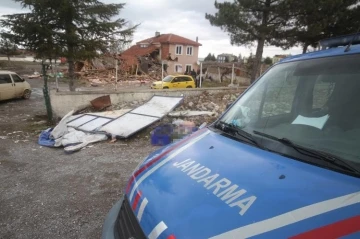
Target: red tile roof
x=139, y=51
x=170, y=38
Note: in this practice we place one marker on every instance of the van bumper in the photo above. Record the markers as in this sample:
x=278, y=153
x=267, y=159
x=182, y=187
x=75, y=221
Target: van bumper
x=108, y=230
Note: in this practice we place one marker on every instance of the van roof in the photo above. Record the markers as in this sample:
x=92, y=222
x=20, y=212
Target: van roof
x=338, y=51
x=7, y=72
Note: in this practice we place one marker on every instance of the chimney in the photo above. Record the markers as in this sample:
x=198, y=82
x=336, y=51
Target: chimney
x=157, y=33
x=197, y=39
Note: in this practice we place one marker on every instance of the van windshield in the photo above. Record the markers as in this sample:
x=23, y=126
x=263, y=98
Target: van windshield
x=313, y=103
x=168, y=79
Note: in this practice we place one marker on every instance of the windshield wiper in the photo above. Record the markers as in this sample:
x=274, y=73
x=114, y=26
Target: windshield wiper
x=236, y=131
x=330, y=158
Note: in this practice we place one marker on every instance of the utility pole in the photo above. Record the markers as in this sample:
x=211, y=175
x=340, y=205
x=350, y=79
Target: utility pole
x=200, y=75
x=219, y=74
x=116, y=71
x=232, y=75
x=46, y=93
x=56, y=76
x=162, y=69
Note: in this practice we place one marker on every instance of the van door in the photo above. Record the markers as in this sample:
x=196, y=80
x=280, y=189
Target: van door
x=19, y=84
x=176, y=82
x=7, y=89
x=189, y=82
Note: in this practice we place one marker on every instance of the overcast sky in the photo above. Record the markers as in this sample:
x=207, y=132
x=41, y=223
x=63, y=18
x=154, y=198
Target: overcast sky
x=182, y=17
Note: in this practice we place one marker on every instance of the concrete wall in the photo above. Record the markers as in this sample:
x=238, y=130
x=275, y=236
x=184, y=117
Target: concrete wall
x=63, y=102
x=22, y=59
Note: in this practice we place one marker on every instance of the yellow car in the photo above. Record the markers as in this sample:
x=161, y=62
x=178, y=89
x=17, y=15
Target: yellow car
x=171, y=82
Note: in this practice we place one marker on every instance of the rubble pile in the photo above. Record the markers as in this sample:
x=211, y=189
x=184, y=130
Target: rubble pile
x=207, y=102
x=102, y=70
x=155, y=72
x=97, y=71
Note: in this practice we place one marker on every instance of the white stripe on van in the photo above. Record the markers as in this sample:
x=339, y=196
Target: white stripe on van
x=291, y=217
x=141, y=209
x=155, y=233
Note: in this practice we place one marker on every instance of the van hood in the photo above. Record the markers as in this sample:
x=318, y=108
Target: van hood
x=211, y=186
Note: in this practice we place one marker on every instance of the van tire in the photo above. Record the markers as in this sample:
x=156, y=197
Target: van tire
x=165, y=87
x=189, y=86
x=27, y=94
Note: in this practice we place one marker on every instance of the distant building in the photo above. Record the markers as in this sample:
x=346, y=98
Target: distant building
x=225, y=58
x=278, y=58
x=240, y=58
x=179, y=53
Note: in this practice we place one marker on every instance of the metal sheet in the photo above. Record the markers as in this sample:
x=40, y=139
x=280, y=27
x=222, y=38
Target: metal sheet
x=80, y=121
x=94, y=124
x=73, y=117
x=141, y=117
x=111, y=114
x=128, y=124
x=158, y=106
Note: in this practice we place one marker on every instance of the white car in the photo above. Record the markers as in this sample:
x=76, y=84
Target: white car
x=13, y=86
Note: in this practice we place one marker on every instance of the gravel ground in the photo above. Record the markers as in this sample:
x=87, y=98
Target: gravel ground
x=46, y=193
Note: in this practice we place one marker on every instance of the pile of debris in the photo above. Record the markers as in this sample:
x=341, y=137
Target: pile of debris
x=102, y=71
x=75, y=132
x=206, y=107
x=178, y=116
x=97, y=71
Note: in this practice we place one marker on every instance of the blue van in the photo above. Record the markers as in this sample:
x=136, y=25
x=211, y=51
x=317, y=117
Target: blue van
x=283, y=161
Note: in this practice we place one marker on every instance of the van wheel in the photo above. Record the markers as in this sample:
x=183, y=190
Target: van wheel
x=165, y=87
x=27, y=94
x=189, y=86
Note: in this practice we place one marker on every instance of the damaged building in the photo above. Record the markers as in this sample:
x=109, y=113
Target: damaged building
x=177, y=53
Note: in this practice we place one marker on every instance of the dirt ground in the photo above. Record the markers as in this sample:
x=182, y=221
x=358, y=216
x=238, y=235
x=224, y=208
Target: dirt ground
x=46, y=193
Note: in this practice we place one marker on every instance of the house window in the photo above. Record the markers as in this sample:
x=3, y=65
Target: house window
x=143, y=45
x=189, y=51
x=178, y=50
x=188, y=68
x=178, y=69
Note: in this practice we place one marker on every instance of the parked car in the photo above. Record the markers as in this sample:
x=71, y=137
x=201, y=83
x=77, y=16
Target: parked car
x=283, y=161
x=13, y=86
x=171, y=82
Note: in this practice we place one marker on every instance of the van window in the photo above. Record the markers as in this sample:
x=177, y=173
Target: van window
x=188, y=79
x=168, y=79
x=279, y=96
x=5, y=79
x=179, y=79
x=322, y=90
x=312, y=103
x=17, y=78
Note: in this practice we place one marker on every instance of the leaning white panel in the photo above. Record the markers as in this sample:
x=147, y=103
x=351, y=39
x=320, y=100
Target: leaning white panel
x=158, y=106
x=111, y=114
x=80, y=121
x=128, y=124
x=94, y=124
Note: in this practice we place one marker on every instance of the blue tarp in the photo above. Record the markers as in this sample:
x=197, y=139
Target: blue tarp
x=44, y=138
